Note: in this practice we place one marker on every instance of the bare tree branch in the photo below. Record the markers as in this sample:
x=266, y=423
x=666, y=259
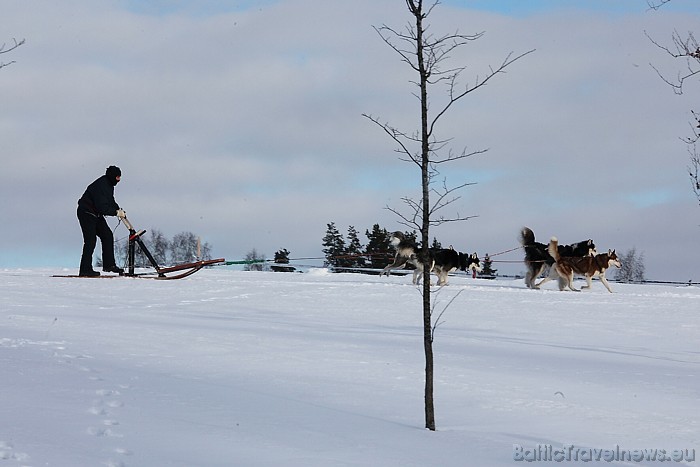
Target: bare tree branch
x=694, y=170
x=694, y=127
x=655, y=5
x=438, y=320
x=4, y=50
x=443, y=198
x=463, y=155
x=399, y=137
x=456, y=96
x=687, y=48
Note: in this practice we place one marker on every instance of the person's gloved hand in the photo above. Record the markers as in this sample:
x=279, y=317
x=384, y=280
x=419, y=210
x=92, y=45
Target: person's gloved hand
x=121, y=213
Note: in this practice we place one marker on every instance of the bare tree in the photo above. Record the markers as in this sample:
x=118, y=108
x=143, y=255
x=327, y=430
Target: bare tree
x=140, y=258
x=686, y=48
x=632, y=269
x=4, y=48
x=254, y=261
x=427, y=54
x=159, y=246
x=205, y=251
x=183, y=248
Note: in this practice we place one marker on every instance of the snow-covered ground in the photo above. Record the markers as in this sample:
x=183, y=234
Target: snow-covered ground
x=232, y=368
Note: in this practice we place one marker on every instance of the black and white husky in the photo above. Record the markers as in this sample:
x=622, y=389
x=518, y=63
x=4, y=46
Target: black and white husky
x=537, y=258
x=446, y=260
x=442, y=261
x=406, y=251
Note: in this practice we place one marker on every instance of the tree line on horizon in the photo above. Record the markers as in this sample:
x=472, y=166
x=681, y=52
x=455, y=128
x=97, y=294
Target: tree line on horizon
x=377, y=253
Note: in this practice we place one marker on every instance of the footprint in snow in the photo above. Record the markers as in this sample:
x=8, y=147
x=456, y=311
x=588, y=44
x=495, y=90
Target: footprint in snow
x=7, y=452
x=103, y=406
x=102, y=432
x=113, y=463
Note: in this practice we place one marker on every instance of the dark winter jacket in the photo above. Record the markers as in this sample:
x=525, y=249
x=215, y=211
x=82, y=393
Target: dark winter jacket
x=98, y=198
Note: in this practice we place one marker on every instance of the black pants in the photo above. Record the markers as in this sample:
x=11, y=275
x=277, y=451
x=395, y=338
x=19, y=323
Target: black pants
x=93, y=227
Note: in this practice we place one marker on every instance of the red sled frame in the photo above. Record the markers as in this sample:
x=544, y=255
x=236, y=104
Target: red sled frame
x=173, y=272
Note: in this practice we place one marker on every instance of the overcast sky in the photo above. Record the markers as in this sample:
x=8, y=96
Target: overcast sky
x=241, y=121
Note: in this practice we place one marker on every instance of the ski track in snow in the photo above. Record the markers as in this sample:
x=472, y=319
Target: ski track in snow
x=317, y=369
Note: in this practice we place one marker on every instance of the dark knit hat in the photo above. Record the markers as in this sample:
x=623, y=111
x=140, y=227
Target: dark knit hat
x=112, y=173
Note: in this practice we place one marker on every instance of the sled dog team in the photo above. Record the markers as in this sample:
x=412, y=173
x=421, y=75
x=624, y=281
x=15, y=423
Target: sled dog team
x=562, y=261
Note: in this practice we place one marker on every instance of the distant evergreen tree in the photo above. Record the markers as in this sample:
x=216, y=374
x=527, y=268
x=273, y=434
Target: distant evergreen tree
x=487, y=269
x=281, y=263
x=378, y=247
x=334, y=247
x=412, y=236
x=282, y=256
x=437, y=245
x=354, y=249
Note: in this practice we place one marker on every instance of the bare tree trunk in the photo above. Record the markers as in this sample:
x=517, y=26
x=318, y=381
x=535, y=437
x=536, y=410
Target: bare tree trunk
x=424, y=53
x=416, y=9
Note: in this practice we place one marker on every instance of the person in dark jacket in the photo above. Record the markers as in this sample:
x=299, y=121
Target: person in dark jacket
x=97, y=202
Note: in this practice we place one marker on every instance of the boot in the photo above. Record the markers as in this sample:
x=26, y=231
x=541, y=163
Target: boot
x=89, y=273
x=115, y=269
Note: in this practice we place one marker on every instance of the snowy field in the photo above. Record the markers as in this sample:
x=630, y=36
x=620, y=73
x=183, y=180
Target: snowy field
x=232, y=368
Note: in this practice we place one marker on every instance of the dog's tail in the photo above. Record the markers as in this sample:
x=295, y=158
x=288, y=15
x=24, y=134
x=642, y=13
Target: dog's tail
x=527, y=236
x=553, y=248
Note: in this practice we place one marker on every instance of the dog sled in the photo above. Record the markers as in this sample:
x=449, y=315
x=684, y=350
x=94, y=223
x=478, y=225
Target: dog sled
x=163, y=273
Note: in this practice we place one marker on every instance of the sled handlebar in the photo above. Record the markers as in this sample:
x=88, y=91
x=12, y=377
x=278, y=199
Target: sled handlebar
x=127, y=223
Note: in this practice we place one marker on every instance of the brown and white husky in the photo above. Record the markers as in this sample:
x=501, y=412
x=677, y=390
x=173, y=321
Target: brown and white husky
x=587, y=266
